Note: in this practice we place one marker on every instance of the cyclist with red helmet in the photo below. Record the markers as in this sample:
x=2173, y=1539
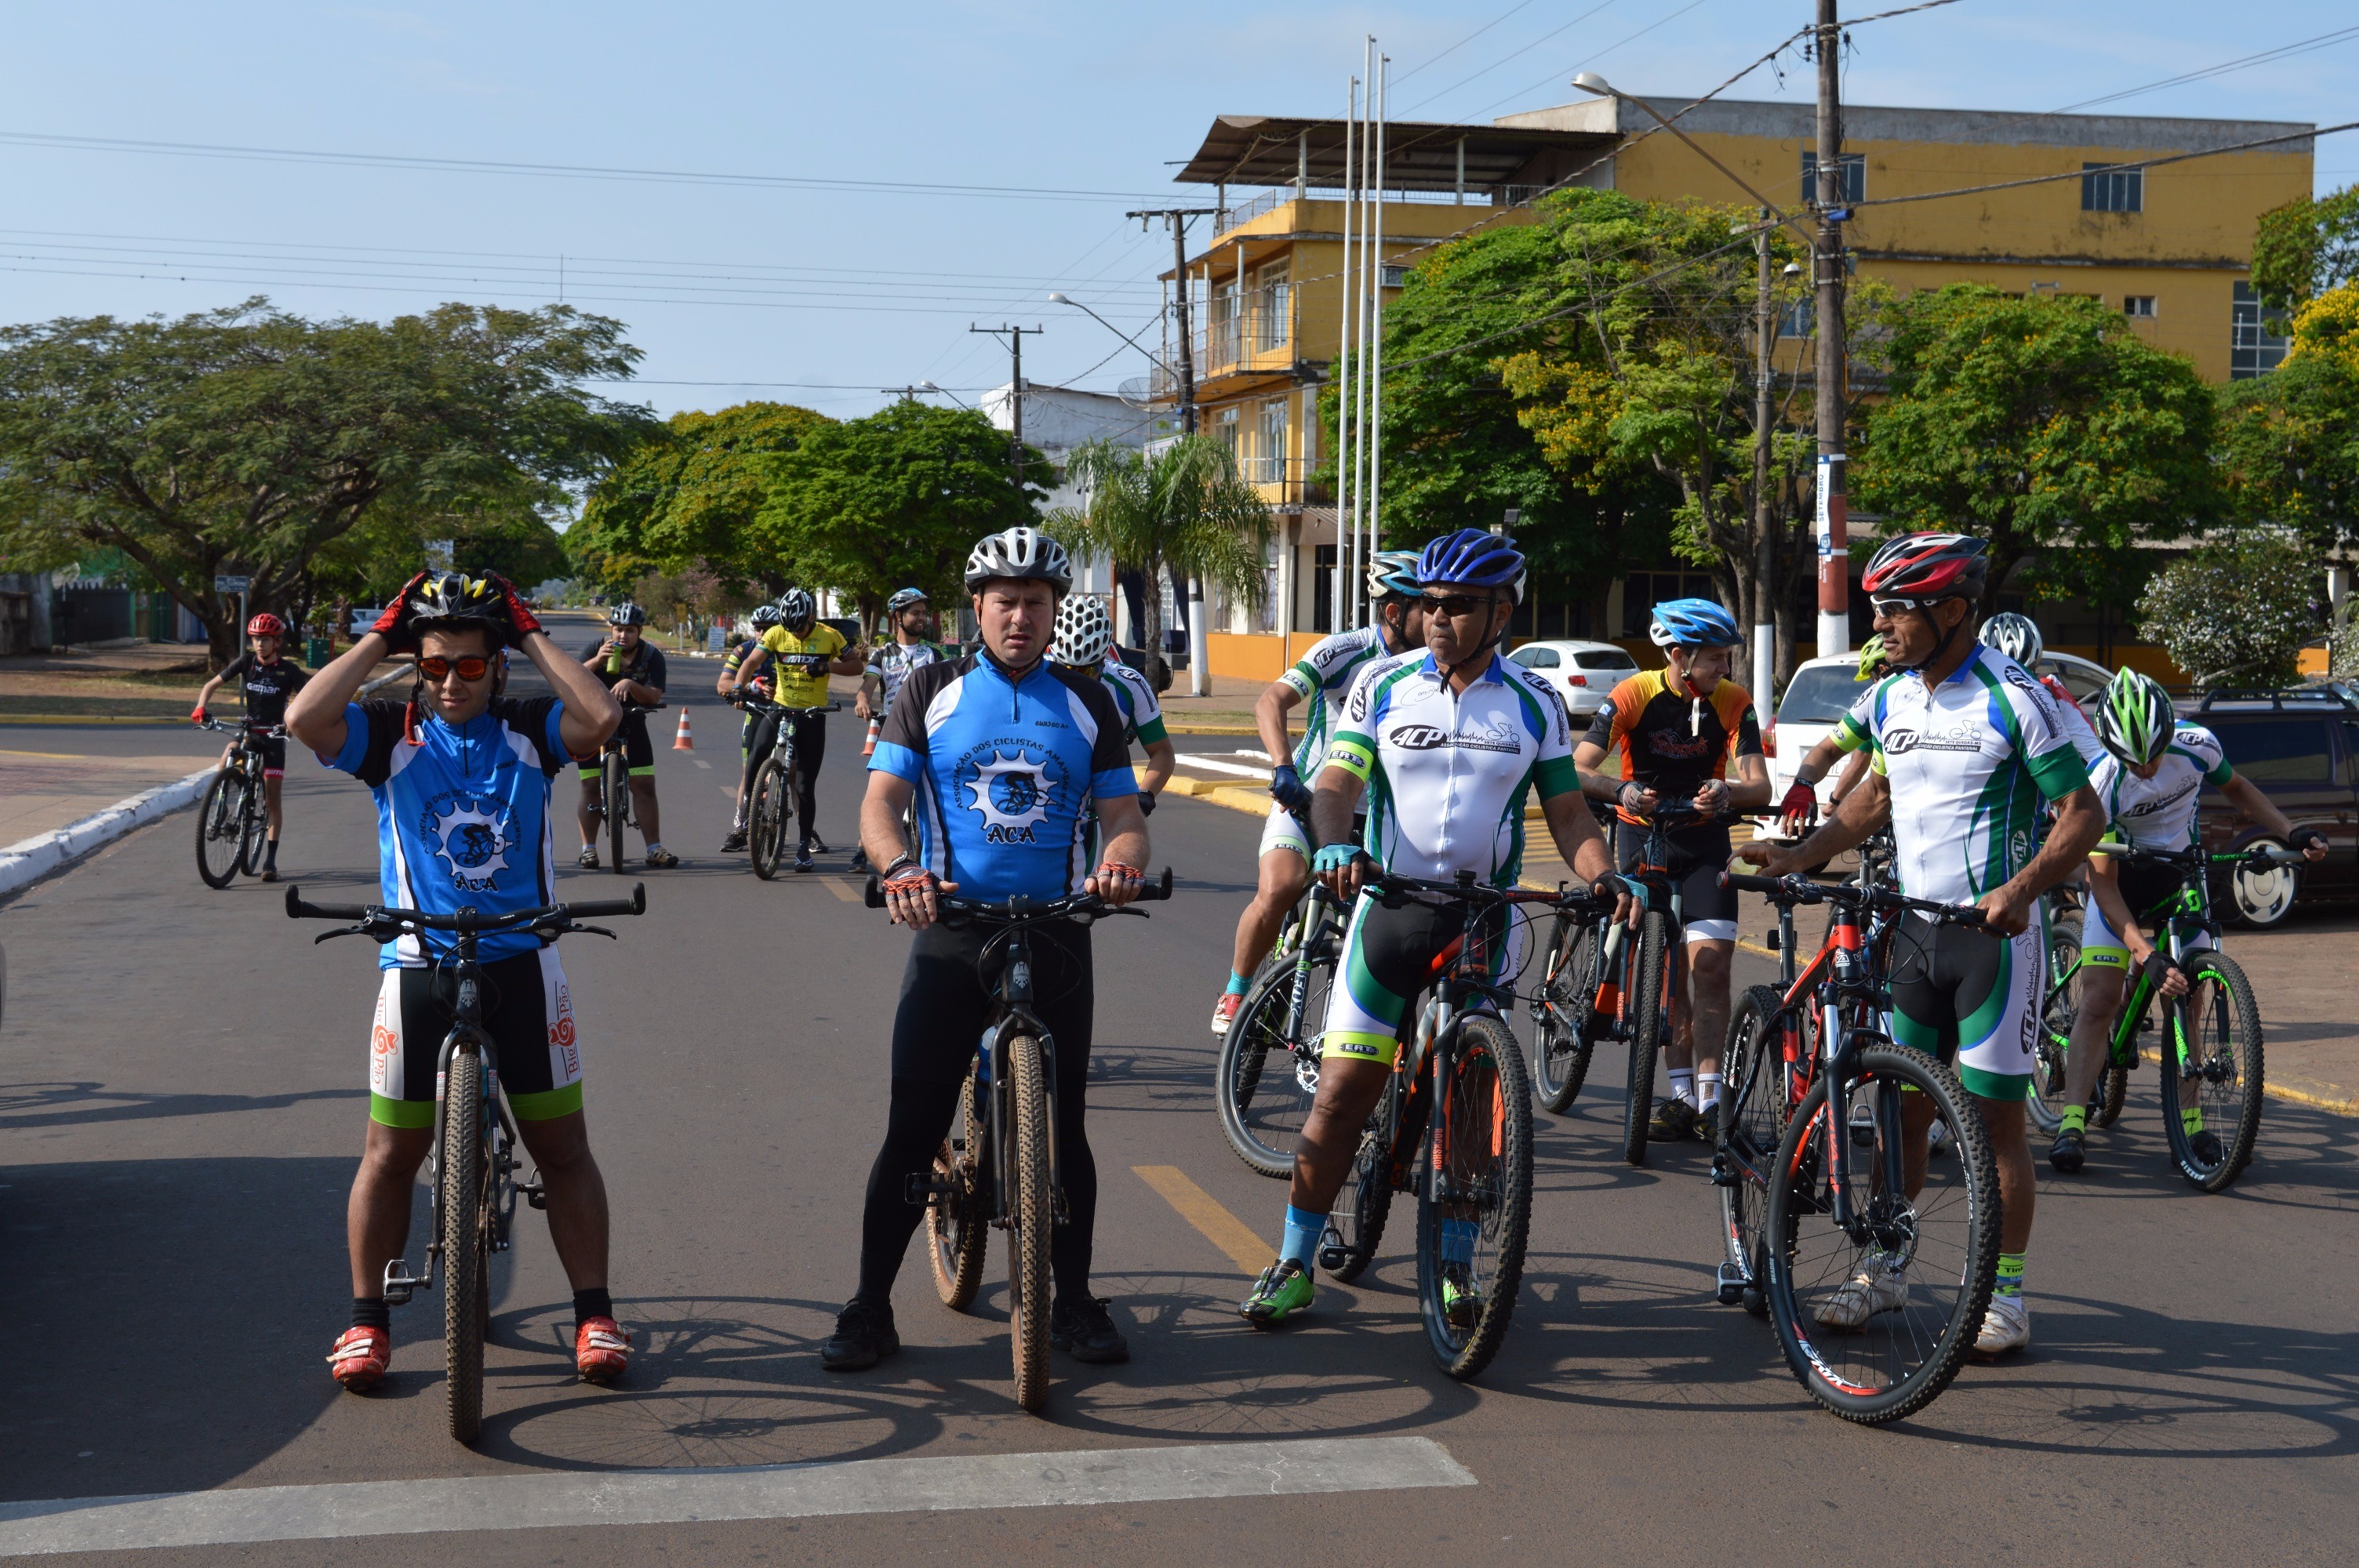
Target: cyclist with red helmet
x=265, y=680
x=1969, y=745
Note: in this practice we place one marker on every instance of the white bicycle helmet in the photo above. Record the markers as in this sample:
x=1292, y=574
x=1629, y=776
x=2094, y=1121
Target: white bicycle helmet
x=1085, y=631
x=1021, y=554
x=2015, y=636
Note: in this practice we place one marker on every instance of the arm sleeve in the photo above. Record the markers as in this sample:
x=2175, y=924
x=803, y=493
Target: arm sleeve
x=1554, y=774
x=1857, y=728
x=2055, y=763
x=901, y=745
x=236, y=668
x=1147, y=714
x=1110, y=774
x=371, y=731
x=655, y=669
x=1745, y=736
x=1352, y=747
x=1302, y=680
x=302, y=676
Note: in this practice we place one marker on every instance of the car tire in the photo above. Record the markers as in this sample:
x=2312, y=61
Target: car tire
x=2260, y=901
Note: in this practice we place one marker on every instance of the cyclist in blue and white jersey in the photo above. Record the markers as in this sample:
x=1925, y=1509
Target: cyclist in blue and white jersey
x=2149, y=781
x=1322, y=678
x=763, y=618
x=1084, y=641
x=1003, y=753
x=462, y=774
x=1450, y=739
x=1969, y=752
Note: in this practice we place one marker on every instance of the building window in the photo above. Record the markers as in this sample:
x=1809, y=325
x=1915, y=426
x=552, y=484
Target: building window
x=1226, y=424
x=1799, y=318
x=2141, y=305
x=1641, y=591
x=1276, y=320
x=1322, y=588
x=1854, y=176
x=1396, y=276
x=2107, y=189
x=2257, y=341
x=1270, y=468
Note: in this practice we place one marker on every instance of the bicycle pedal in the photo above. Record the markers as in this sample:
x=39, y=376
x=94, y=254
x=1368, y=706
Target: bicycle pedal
x=534, y=1195
x=1730, y=1286
x=922, y=1190
x=1333, y=1255
x=1723, y=1173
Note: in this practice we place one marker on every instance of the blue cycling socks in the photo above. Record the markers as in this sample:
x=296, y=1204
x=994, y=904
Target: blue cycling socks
x=1302, y=1234
x=1458, y=1240
x=1237, y=983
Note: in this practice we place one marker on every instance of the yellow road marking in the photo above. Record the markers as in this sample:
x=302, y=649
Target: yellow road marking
x=1203, y=1210
x=842, y=889
x=60, y=756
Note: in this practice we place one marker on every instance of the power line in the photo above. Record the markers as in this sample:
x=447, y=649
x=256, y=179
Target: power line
x=1445, y=54
x=2284, y=51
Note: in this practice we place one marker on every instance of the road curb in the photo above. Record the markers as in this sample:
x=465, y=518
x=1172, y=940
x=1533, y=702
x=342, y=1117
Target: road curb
x=29, y=860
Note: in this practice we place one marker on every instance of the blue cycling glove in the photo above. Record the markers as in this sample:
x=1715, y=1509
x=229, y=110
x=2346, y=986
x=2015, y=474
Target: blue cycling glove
x=1334, y=857
x=1285, y=788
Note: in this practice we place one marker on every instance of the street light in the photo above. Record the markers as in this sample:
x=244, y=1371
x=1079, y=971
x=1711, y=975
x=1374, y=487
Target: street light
x=1059, y=298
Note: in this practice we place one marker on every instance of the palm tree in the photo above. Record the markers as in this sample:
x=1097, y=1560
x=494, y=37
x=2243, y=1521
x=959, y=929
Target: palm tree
x=1184, y=508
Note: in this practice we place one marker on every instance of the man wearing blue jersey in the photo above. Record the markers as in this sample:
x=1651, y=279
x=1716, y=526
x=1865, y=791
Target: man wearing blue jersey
x=461, y=772
x=1002, y=752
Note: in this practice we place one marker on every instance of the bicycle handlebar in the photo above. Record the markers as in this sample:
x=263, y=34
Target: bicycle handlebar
x=1472, y=891
x=1799, y=889
x=748, y=698
x=246, y=727
x=298, y=908
x=2258, y=856
x=1014, y=910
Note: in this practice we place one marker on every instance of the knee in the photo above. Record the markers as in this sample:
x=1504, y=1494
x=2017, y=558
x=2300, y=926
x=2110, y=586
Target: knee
x=1710, y=964
x=559, y=1148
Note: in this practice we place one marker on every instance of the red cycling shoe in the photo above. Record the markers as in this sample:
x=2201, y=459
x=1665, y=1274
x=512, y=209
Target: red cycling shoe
x=360, y=1358
x=602, y=1351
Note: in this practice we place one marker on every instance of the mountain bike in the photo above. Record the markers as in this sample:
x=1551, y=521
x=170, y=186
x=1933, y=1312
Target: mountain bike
x=997, y=1170
x=1817, y=1200
x=231, y=821
x=1267, y=1074
x=770, y=805
x=614, y=801
x=1454, y=1126
x=2060, y=921
x=2212, y=1056
x=1627, y=978
x=471, y=1164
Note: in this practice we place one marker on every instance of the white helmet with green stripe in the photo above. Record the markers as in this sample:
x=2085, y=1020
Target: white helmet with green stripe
x=2135, y=717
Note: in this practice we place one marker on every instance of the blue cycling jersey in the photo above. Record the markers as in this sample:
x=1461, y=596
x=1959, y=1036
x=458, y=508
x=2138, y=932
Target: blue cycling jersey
x=462, y=814
x=1004, y=767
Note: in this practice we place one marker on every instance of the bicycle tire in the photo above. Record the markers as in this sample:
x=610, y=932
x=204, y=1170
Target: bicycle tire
x=2112, y=1089
x=767, y=832
x=254, y=830
x=2238, y=1062
x=1821, y=1356
x=1481, y=1144
x=1754, y=1064
x=958, y=1230
x=1357, y=1218
x=618, y=800
x=1034, y=1215
x=1263, y=1105
x=1641, y=1012
x=463, y=1243
x=217, y=829
x=2058, y=1012
x=1565, y=1039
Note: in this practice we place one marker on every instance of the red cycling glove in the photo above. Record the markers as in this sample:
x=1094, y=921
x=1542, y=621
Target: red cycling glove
x=394, y=624
x=198, y=715
x=1801, y=801
x=522, y=621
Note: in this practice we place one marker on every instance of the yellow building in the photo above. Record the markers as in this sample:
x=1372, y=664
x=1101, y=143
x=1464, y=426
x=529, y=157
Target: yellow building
x=2169, y=246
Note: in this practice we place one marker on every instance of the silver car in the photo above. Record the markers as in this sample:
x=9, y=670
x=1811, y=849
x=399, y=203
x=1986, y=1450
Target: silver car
x=1584, y=674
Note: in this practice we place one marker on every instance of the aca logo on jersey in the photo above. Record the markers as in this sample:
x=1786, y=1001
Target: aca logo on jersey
x=472, y=836
x=1012, y=792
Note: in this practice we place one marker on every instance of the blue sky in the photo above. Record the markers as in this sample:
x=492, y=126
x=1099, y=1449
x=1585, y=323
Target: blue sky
x=823, y=295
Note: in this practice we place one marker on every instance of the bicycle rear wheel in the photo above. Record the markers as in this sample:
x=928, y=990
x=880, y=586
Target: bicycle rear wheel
x=1876, y=1319
x=958, y=1228
x=1034, y=1215
x=2058, y=1009
x=254, y=830
x=464, y=1261
x=220, y=844
x=1475, y=1206
x=2219, y=1080
x=1566, y=1035
x=767, y=820
x=1355, y=1225
x=1268, y=1069
x=618, y=807
x=2112, y=1088
x=1642, y=1015
x=1756, y=1062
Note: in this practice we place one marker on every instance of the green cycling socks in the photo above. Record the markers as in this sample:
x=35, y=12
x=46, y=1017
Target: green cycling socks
x=2010, y=1276
x=2076, y=1119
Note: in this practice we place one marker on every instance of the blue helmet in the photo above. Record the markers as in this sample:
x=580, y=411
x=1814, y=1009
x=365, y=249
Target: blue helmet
x=1472, y=558
x=903, y=600
x=1392, y=574
x=1693, y=623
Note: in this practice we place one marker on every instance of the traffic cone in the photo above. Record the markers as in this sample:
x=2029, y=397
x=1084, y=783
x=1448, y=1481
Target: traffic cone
x=682, y=742
x=869, y=748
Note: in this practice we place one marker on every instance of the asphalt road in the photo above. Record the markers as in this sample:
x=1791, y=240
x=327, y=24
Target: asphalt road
x=182, y=1097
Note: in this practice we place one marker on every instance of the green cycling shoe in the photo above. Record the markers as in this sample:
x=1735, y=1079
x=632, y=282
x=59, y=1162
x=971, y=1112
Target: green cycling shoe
x=1283, y=1290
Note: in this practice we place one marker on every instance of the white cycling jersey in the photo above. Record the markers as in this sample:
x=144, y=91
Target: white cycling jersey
x=2159, y=812
x=1321, y=678
x=1969, y=764
x=2076, y=724
x=1447, y=772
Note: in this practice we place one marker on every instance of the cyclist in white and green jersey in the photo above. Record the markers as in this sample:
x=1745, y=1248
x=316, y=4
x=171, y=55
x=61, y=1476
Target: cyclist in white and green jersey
x=1321, y=679
x=1083, y=641
x=1447, y=740
x=1968, y=749
x=2150, y=782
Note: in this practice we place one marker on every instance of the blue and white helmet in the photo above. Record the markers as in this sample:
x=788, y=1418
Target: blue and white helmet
x=1693, y=623
x=764, y=617
x=1472, y=558
x=1392, y=574
x=903, y=600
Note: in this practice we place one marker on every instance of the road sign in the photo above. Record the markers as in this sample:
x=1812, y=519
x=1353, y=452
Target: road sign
x=231, y=584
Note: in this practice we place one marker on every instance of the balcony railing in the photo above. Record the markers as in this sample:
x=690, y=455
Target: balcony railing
x=1271, y=200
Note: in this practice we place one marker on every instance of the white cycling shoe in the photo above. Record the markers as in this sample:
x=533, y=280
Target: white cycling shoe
x=1873, y=1290
x=2006, y=1325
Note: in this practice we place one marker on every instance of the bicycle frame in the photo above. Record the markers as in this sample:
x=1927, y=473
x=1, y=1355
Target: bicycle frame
x=2188, y=915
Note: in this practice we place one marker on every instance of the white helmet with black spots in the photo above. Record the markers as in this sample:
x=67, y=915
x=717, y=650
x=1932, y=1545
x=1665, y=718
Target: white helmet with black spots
x=1084, y=631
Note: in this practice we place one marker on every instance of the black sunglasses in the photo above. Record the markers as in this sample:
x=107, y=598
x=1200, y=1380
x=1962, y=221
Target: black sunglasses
x=1457, y=606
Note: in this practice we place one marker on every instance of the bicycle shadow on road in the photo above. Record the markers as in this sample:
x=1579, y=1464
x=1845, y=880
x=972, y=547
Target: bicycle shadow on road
x=87, y=1103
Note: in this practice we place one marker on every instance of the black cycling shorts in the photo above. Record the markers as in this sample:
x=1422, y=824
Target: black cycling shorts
x=1969, y=997
x=1697, y=857
x=1388, y=959
x=638, y=751
x=274, y=755
x=525, y=1012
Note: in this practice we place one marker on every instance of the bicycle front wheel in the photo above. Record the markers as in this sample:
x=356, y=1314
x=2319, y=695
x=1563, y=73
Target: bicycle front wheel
x=1764, y=1040
x=2058, y=1008
x=958, y=1228
x=767, y=821
x=1876, y=1315
x=219, y=843
x=1475, y=1206
x=1032, y=1209
x=1643, y=1018
x=464, y=1282
x=618, y=806
x=1566, y=1036
x=1269, y=1070
x=2212, y=1080
x=254, y=830
x=1355, y=1225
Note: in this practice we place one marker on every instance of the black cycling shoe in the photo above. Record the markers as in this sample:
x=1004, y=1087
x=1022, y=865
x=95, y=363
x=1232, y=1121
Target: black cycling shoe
x=803, y=861
x=736, y=843
x=2069, y=1151
x=863, y=1336
x=2205, y=1147
x=1673, y=1118
x=1086, y=1332
x=860, y=860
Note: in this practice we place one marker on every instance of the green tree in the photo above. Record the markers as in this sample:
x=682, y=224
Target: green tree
x=2305, y=247
x=2288, y=448
x=890, y=501
x=1182, y=510
x=2236, y=613
x=690, y=493
x=2044, y=425
x=247, y=441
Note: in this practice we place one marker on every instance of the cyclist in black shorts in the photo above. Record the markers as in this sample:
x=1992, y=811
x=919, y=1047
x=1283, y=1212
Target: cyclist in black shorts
x=265, y=681
x=633, y=669
x=764, y=617
x=1678, y=728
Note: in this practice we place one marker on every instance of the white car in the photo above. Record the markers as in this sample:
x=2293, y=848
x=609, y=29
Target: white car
x=1823, y=691
x=1584, y=674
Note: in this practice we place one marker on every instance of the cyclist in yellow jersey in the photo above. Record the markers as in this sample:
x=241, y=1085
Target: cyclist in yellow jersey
x=805, y=653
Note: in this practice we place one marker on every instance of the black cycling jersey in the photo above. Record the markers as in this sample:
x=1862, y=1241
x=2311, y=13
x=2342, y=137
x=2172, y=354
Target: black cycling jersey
x=265, y=687
x=644, y=664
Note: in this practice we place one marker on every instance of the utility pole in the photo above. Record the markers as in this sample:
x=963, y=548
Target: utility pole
x=906, y=393
x=1178, y=218
x=1016, y=391
x=1827, y=261
x=1765, y=545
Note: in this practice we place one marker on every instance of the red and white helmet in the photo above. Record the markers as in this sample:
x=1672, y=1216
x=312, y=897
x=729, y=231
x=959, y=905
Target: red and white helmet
x=266, y=625
x=1928, y=566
